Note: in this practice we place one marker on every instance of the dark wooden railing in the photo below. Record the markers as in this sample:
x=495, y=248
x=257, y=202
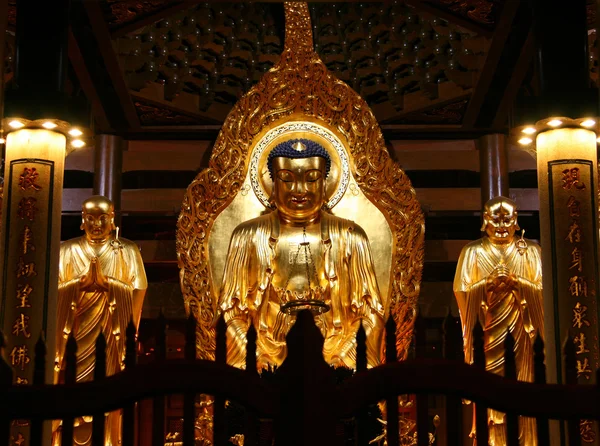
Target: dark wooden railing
x=303, y=399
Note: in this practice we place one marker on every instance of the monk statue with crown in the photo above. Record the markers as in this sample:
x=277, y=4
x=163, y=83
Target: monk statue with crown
x=301, y=207
x=102, y=283
x=498, y=282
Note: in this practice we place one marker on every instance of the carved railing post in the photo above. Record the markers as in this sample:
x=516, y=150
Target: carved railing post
x=6, y=378
x=543, y=428
x=251, y=428
x=453, y=351
x=70, y=378
x=510, y=372
x=362, y=433
x=39, y=378
x=98, y=420
x=481, y=413
x=158, y=404
x=571, y=378
x=189, y=398
x=422, y=399
x=391, y=355
x=219, y=432
x=128, y=422
x=307, y=389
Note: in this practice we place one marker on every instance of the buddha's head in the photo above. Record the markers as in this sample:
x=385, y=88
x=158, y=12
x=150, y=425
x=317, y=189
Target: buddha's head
x=97, y=218
x=500, y=220
x=299, y=168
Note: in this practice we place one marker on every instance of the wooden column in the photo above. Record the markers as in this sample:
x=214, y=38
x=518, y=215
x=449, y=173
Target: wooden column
x=108, y=169
x=33, y=180
x=30, y=244
x=567, y=185
x=493, y=162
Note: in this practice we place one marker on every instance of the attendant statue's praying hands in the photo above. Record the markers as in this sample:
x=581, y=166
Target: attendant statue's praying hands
x=501, y=279
x=94, y=279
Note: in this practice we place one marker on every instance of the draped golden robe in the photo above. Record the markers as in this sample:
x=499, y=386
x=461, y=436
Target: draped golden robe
x=519, y=310
x=247, y=293
x=86, y=314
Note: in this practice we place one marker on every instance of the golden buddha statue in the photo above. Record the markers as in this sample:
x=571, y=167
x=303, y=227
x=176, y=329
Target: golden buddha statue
x=309, y=252
x=102, y=283
x=300, y=256
x=499, y=282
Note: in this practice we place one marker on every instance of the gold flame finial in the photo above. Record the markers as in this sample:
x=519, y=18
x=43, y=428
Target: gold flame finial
x=298, y=30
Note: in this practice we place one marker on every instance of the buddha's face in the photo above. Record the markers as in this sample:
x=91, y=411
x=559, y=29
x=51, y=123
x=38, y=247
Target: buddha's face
x=500, y=221
x=97, y=221
x=299, y=188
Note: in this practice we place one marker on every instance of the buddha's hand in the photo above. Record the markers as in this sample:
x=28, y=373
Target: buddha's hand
x=94, y=279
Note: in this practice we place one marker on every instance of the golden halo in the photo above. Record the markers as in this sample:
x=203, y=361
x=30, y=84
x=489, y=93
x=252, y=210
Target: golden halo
x=339, y=175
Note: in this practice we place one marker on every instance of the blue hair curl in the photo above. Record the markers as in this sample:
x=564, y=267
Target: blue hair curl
x=286, y=150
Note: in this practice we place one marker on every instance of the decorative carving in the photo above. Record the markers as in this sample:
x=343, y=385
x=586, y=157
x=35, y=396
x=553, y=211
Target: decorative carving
x=483, y=12
x=445, y=114
x=398, y=59
x=123, y=12
x=150, y=114
x=300, y=86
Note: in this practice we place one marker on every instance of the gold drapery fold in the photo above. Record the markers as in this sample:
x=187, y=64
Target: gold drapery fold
x=247, y=296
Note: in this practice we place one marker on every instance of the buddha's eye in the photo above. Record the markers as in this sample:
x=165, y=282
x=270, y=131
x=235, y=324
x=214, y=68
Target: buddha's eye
x=285, y=175
x=313, y=175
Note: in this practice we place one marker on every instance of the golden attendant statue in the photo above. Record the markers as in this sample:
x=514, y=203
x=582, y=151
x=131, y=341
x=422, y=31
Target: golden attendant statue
x=499, y=282
x=102, y=284
x=300, y=256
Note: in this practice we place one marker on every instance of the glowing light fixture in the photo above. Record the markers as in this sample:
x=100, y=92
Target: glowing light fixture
x=77, y=143
x=528, y=130
x=75, y=132
x=525, y=141
x=16, y=124
x=555, y=123
x=588, y=123
x=49, y=125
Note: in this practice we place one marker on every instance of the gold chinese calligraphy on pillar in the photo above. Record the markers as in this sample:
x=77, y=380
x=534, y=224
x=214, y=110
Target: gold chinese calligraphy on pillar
x=29, y=246
x=567, y=177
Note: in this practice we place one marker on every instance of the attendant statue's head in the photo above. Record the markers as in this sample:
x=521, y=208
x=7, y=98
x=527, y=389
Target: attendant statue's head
x=500, y=220
x=298, y=168
x=98, y=218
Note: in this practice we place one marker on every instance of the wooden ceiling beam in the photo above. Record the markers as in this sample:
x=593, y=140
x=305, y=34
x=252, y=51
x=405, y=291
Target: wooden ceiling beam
x=390, y=132
x=514, y=85
x=86, y=82
x=452, y=18
x=151, y=18
x=503, y=57
x=111, y=62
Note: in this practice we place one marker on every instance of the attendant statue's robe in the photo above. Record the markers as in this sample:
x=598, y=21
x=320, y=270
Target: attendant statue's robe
x=351, y=291
x=516, y=310
x=86, y=314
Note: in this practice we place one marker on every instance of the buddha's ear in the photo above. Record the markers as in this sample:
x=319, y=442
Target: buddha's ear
x=112, y=221
x=484, y=224
x=517, y=227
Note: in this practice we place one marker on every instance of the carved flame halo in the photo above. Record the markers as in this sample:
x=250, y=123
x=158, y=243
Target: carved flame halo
x=301, y=97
